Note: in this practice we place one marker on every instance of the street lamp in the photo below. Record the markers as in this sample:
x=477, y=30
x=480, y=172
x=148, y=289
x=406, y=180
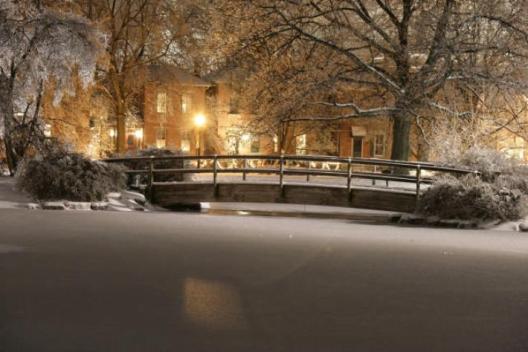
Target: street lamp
x=199, y=123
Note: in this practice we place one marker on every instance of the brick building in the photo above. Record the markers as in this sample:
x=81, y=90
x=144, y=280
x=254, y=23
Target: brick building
x=172, y=100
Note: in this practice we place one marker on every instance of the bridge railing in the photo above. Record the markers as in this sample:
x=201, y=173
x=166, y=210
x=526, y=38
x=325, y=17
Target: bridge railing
x=301, y=165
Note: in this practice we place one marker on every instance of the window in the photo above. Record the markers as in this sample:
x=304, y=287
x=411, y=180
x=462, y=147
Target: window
x=300, y=144
x=131, y=141
x=186, y=103
x=255, y=145
x=186, y=145
x=275, y=144
x=234, y=102
x=379, y=145
x=357, y=147
x=161, y=102
x=233, y=144
x=161, y=137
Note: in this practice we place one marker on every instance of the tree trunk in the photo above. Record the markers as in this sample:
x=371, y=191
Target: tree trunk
x=6, y=110
x=401, y=129
x=121, y=132
x=11, y=157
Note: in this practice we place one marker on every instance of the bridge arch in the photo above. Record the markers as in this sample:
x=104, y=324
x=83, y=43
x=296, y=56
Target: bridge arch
x=316, y=180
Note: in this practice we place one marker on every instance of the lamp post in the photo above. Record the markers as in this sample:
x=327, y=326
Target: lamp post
x=199, y=123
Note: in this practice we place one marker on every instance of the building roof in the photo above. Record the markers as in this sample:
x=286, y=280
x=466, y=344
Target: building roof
x=166, y=73
x=227, y=75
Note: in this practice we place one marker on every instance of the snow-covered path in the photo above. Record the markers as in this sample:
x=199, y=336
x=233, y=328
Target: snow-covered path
x=109, y=281
x=9, y=197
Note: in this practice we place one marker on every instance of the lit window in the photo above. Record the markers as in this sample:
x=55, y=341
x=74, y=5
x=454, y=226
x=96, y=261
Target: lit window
x=47, y=130
x=232, y=141
x=276, y=144
x=185, y=103
x=186, y=145
x=161, y=102
x=379, y=145
x=255, y=145
x=161, y=137
x=300, y=144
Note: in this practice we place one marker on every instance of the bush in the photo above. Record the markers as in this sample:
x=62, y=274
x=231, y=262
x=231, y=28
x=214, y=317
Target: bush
x=160, y=164
x=470, y=197
x=499, y=192
x=58, y=174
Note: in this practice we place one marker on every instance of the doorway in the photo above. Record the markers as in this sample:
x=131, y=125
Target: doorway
x=357, y=147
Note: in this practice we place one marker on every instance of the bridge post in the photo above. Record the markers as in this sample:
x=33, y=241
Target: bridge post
x=349, y=175
x=281, y=172
x=215, y=169
x=215, y=173
x=150, y=180
x=418, y=179
x=244, y=167
x=309, y=168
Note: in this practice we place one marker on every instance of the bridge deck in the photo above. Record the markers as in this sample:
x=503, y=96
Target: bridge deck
x=314, y=180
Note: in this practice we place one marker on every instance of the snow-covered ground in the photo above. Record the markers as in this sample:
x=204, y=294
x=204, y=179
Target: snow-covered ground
x=115, y=281
x=10, y=198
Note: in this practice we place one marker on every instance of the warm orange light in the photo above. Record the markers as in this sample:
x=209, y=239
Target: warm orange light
x=199, y=120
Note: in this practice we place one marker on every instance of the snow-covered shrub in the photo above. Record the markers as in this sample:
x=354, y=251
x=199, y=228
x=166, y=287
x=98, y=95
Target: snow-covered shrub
x=517, y=180
x=490, y=163
x=500, y=191
x=59, y=174
x=470, y=197
x=158, y=164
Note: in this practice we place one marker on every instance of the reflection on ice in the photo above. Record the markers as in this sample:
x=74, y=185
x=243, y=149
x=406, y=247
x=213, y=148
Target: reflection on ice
x=213, y=304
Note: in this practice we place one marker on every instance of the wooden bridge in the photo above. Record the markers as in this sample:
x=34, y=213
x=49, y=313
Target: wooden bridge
x=172, y=181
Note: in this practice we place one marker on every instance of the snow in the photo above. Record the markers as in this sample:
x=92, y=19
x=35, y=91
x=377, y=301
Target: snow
x=292, y=208
x=90, y=267
x=79, y=205
x=6, y=249
x=54, y=206
x=314, y=180
x=10, y=198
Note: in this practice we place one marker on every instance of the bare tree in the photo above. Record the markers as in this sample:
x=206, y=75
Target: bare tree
x=140, y=33
x=37, y=45
x=383, y=58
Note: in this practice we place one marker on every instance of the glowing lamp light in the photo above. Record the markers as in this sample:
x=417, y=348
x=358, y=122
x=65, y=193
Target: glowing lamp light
x=138, y=133
x=199, y=120
x=112, y=133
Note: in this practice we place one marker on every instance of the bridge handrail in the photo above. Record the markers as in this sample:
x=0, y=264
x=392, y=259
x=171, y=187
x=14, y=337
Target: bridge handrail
x=283, y=170
x=314, y=158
